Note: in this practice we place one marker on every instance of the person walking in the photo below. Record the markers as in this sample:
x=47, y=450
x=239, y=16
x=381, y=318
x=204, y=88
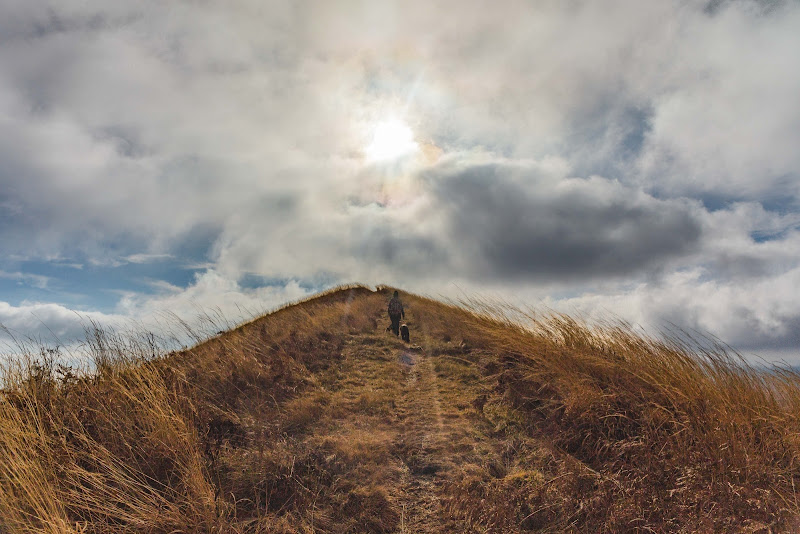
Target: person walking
x=395, y=312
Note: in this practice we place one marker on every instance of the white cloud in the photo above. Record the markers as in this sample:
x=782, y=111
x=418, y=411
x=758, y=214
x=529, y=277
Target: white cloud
x=34, y=280
x=210, y=294
x=211, y=303
x=729, y=124
x=51, y=323
x=147, y=258
x=760, y=318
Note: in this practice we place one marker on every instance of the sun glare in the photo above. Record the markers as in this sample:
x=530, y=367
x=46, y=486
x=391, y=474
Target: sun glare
x=391, y=139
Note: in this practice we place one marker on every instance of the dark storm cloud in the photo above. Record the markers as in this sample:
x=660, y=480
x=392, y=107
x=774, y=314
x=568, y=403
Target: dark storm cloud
x=519, y=223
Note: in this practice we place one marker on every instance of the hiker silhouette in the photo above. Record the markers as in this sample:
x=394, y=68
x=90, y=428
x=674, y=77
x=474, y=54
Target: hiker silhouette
x=395, y=312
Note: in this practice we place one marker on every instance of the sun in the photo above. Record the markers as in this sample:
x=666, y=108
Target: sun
x=391, y=139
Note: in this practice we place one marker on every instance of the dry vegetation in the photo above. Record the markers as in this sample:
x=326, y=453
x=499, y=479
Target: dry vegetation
x=309, y=420
x=631, y=434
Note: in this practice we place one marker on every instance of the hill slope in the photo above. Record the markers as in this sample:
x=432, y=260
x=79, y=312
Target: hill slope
x=315, y=419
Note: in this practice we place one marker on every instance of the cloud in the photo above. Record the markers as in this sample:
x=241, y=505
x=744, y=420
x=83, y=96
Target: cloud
x=210, y=294
x=728, y=127
x=195, y=129
x=761, y=318
x=147, y=258
x=51, y=323
x=479, y=216
x=26, y=278
x=519, y=222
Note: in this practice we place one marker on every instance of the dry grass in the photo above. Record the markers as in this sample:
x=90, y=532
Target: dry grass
x=280, y=425
x=640, y=434
x=148, y=444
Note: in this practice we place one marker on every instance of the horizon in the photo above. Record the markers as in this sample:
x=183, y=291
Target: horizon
x=632, y=160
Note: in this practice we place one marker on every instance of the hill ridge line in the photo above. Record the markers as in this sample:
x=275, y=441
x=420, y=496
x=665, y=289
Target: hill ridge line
x=314, y=418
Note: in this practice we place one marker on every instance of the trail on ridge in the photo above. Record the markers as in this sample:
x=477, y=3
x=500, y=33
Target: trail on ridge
x=403, y=416
x=429, y=426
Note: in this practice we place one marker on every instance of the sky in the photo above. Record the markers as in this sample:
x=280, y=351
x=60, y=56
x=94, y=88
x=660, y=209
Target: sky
x=626, y=159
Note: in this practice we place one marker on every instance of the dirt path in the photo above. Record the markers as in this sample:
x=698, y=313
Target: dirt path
x=437, y=426
x=421, y=443
x=402, y=414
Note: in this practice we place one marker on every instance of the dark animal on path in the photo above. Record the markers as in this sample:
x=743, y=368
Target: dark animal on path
x=404, y=333
x=479, y=402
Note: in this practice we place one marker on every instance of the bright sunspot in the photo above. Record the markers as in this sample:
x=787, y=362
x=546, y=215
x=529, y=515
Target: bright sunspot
x=391, y=139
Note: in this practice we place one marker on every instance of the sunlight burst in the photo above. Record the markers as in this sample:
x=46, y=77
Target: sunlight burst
x=391, y=139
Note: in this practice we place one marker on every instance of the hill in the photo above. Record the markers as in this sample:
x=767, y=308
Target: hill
x=315, y=419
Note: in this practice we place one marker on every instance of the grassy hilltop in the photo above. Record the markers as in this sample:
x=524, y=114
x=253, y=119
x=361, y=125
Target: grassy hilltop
x=315, y=419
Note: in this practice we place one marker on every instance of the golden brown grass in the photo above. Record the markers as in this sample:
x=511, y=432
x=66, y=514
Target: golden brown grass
x=144, y=443
x=284, y=424
x=632, y=433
